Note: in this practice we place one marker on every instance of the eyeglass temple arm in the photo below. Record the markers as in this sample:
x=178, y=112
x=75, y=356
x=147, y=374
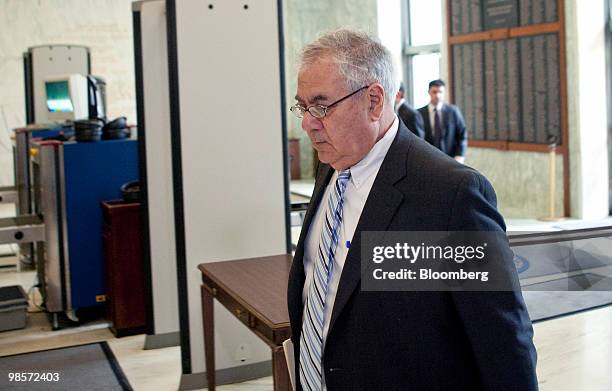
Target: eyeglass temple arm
x=346, y=97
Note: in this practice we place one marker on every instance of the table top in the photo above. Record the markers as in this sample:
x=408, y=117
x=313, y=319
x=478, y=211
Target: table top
x=259, y=284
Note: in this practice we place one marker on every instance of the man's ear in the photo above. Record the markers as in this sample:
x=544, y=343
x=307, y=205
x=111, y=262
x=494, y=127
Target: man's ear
x=376, y=95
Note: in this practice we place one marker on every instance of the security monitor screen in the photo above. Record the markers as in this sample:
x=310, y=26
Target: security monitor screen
x=58, y=96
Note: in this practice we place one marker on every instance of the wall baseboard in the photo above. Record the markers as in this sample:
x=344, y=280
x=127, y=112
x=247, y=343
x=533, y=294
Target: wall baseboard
x=158, y=341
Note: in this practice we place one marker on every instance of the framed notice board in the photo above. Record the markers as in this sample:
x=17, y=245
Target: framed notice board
x=507, y=65
x=507, y=70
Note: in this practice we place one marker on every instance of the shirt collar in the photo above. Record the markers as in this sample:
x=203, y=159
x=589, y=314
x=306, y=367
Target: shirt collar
x=437, y=107
x=370, y=164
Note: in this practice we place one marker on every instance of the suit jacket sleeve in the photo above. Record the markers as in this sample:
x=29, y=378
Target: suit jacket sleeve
x=419, y=125
x=460, y=134
x=496, y=323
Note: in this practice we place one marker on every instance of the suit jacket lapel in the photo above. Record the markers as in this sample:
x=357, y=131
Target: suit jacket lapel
x=428, y=132
x=378, y=211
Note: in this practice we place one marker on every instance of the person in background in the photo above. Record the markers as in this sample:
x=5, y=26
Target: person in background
x=444, y=124
x=409, y=116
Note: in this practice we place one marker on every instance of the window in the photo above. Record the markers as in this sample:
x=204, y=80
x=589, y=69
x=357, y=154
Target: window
x=422, y=38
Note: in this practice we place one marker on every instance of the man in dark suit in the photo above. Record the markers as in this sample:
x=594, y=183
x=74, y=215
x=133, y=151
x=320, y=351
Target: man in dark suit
x=444, y=124
x=409, y=116
x=376, y=175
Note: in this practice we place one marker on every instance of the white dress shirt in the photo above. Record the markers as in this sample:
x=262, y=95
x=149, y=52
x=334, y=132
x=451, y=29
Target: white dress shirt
x=355, y=196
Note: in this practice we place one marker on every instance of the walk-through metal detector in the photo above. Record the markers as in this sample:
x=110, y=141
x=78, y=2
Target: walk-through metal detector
x=153, y=111
x=229, y=159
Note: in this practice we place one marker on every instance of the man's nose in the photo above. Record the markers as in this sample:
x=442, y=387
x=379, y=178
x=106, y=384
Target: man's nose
x=310, y=123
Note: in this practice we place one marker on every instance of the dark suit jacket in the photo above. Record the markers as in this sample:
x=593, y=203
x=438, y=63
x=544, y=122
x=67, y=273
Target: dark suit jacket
x=454, y=135
x=419, y=340
x=412, y=119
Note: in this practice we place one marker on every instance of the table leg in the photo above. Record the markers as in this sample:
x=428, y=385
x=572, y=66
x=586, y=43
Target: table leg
x=279, y=370
x=209, y=336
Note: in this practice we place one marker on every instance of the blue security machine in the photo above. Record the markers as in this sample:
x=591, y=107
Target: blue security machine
x=71, y=179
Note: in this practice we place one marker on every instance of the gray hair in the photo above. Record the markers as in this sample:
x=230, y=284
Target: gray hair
x=362, y=59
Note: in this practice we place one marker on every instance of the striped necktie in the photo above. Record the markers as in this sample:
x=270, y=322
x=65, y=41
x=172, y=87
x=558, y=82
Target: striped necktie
x=311, y=341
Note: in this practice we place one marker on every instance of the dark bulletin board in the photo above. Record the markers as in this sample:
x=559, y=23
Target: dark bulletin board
x=466, y=16
x=499, y=13
x=472, y=16
x=537, y=12
x=469, y=87
x=509, y=90
x=506, y=70
x=540, y=83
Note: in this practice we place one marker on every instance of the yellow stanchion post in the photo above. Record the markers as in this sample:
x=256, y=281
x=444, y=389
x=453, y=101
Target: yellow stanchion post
x=552, y=184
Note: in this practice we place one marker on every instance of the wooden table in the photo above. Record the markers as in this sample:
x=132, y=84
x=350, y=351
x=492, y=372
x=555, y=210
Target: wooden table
x=255, y=291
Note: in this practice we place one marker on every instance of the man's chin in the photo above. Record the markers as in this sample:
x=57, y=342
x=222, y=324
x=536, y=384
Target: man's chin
x=326, y=158
x=335, y=164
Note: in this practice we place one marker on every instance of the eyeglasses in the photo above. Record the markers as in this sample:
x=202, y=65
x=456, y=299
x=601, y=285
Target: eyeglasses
x=319, y=111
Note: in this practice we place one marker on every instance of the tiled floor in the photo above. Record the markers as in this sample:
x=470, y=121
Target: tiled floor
x=575, y=352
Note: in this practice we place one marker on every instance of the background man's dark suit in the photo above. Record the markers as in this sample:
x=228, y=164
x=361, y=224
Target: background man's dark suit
x=454, y=135
x=419, y=340
x=412, y=119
